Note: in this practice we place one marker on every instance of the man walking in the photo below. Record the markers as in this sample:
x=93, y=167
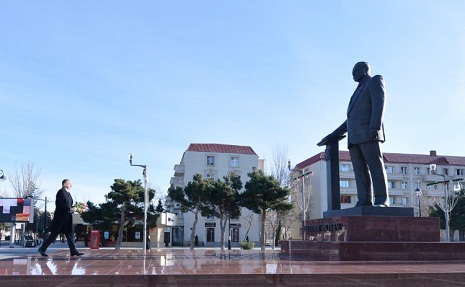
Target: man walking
x=63, y=220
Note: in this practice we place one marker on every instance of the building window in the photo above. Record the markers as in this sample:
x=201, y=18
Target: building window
x=210, y=160
x=346, y=199
x=389, y=169
x=235, y=234
x=416, y=170
x=399, y=200
x=446, y=171
x=344, y=183
x=210, y=234
x=459, y=171
x=391, y=184
x=405, y=201
x=210, y=173
x=234, y=161
x=404, y=185
x=344, y=167
x=403, y=170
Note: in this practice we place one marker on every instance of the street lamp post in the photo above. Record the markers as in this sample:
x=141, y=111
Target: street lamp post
x=144, y=173
x=45, y=215
x=418, y=193
x=44, y=228
x=13, y=225
x=446, y=197
x=446, y=203
x=229, y=218
x=304, y=208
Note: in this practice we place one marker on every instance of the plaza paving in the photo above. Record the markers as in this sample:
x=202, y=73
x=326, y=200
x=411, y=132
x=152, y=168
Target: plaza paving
x=210, y=267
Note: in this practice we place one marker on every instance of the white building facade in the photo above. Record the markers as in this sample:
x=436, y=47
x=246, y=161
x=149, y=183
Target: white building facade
x=214, y=161
x=407, y=174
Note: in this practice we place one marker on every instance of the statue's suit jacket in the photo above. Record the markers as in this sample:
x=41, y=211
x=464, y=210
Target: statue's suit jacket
x=365, y=112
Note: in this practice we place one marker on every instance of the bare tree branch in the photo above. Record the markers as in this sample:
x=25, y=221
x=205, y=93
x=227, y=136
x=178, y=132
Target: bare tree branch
x=279, y=167
x=24, y=180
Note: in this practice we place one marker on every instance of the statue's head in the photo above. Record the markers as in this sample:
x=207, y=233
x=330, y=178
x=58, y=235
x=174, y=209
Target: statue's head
x=360, y=70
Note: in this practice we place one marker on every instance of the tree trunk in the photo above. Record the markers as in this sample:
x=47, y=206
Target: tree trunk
x=194, y=226
x=223, y=221
x=278, y=233
x=263, y=237
x=121, y=229
x=248, y=229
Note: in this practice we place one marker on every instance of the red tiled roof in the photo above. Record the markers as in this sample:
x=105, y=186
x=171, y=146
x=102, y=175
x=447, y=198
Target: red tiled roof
x=395, y=158
x=408, y=158
x=221, y=148
x=309, y=161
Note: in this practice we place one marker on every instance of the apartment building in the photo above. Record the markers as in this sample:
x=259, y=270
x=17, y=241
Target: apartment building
x=407, y=175
x=213, y=161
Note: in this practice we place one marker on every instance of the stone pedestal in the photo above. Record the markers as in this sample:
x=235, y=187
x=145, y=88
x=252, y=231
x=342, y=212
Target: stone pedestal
x=373, y=238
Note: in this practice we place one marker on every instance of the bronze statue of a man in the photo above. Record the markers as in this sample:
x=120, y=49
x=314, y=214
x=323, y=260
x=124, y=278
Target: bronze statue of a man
x=365, y=133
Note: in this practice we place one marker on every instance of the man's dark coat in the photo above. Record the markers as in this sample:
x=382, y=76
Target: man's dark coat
x=63, y=218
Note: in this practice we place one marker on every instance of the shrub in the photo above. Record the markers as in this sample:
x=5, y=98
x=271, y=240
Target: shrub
x=247, y=245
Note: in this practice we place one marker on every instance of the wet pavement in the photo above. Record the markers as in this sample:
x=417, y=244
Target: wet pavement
x=210, y=267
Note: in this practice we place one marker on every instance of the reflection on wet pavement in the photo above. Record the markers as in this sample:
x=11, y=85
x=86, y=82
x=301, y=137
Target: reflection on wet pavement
x=255, y=267
x=120, y=262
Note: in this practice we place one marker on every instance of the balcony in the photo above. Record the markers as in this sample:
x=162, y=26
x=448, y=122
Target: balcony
x=176, y=181
x=179, y=170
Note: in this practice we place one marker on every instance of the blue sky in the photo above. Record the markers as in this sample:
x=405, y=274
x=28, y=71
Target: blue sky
x=83, y=84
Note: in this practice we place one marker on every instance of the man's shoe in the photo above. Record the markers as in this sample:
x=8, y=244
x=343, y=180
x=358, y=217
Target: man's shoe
x=41, y=252
x=76, y=253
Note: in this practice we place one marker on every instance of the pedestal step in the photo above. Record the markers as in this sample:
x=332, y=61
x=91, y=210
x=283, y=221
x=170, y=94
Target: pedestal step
x=372, y=251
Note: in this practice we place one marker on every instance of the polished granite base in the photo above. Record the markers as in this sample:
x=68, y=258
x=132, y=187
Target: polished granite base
x=373, y=229
x=209, y=267
x=373, y=238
